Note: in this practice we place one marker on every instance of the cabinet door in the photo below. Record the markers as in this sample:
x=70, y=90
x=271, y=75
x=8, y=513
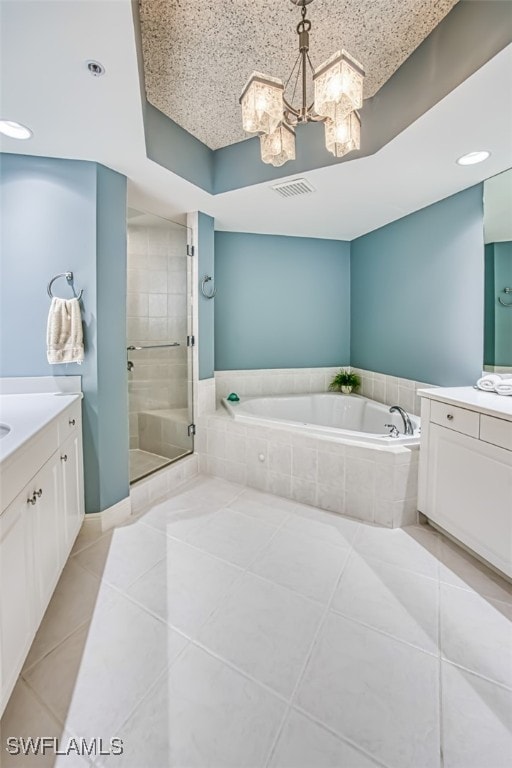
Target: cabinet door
x=48, y=531
x=469, y=493
x=72, y=487
x=16, y=592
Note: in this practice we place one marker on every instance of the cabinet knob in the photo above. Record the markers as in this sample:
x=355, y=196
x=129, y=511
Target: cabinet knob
x=449, y=416
x=72, y=422
x=32, y=499
x=38, y=493
x=64, y=458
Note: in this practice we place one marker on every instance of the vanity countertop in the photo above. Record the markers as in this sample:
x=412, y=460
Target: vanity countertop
x=473, y=399
x=27, y=415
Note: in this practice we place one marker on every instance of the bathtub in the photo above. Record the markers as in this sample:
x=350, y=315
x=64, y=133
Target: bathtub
x=347, y=417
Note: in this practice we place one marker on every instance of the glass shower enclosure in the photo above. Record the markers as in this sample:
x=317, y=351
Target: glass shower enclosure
x=159, y=343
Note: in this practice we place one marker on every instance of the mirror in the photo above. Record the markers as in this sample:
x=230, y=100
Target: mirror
x=498, y=273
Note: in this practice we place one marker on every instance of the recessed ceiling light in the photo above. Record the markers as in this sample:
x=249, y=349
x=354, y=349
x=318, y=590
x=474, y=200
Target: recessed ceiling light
x=473, y=157
x=14, y=130
x=96, y=68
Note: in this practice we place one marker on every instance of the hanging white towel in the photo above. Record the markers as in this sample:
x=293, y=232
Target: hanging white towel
x=65, y=343
x=488, y=383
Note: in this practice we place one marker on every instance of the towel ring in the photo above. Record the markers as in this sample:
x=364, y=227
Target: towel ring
x=69, y=278
x=504, y=303
x=211, y=295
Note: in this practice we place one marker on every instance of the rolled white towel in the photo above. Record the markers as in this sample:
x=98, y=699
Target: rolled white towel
x=504, y=388
x=489, y=382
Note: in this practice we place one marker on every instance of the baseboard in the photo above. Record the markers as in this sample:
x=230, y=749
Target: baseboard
x=99, y=522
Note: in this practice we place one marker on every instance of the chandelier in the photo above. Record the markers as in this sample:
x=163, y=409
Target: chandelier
x=338, y=94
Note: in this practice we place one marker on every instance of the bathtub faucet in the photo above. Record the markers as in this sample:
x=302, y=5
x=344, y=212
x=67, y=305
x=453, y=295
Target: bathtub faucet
x=408, y=428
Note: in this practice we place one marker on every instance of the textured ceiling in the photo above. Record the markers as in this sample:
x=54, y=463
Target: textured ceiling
x=198, y=55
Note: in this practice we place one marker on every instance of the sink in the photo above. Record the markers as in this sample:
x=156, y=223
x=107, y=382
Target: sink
x=4, y=430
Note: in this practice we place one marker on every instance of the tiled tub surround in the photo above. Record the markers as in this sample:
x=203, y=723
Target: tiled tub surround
x=366, y=482
x=390, y=390
x=227, y=627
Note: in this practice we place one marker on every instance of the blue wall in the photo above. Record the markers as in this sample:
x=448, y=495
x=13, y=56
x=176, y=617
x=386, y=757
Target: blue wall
x=417, y=291
x=282, y=302
x=490, y=300
x=60, y=215
x=206, y=247
x=498, y=319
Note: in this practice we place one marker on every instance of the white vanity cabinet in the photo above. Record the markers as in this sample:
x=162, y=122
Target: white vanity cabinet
x=37, y=530
x=465, y=473
x=16, y=592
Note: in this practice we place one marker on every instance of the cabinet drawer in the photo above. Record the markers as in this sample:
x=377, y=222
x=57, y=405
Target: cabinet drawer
x=496, y=431
x=70, y=420
x=458, y=419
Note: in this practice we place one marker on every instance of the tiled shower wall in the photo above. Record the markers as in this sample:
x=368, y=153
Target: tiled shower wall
x=156, y=314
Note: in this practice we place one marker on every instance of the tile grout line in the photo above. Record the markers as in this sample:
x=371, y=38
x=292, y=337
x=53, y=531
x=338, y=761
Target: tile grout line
x=294, y=705
x=276, y=694
x=69, y=634
x=151, y=688
x=377, y=760
x=473, y=591
x=243, y=572
x=309, y=654
x=469, y=671
x=26, y=670
x=382, y=632
x=440, y=666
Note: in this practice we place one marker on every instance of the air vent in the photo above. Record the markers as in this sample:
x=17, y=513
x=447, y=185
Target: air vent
x=294, y=188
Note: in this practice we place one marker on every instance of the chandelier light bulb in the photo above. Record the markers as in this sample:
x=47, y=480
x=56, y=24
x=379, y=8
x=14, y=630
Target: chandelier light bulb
x=278, y=147
x=341, y=132
x=338, y=85
x=262, y=103
x=343, y=135
x=335, y=88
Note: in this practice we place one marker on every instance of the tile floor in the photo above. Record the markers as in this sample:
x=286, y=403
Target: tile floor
x=226, y=628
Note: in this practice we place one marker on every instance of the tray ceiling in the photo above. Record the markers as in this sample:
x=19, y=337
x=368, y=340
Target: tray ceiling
x=198, y=56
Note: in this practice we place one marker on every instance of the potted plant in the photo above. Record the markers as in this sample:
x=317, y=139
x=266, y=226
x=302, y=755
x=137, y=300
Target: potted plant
x=345, y=382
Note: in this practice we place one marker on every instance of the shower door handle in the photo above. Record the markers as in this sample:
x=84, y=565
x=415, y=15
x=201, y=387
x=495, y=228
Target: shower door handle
x=154, y=346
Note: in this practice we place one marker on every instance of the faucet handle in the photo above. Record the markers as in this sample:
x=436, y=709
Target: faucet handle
x=393, y=430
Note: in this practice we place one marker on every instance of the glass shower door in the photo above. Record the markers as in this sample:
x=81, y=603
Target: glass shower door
x=158, y=345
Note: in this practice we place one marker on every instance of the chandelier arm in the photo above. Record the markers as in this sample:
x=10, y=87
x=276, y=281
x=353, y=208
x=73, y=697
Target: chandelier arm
x=311, y=64
x=295, y=86
x=290, y=108
x=314, y=118
x=290, y=118
x=291, y=73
